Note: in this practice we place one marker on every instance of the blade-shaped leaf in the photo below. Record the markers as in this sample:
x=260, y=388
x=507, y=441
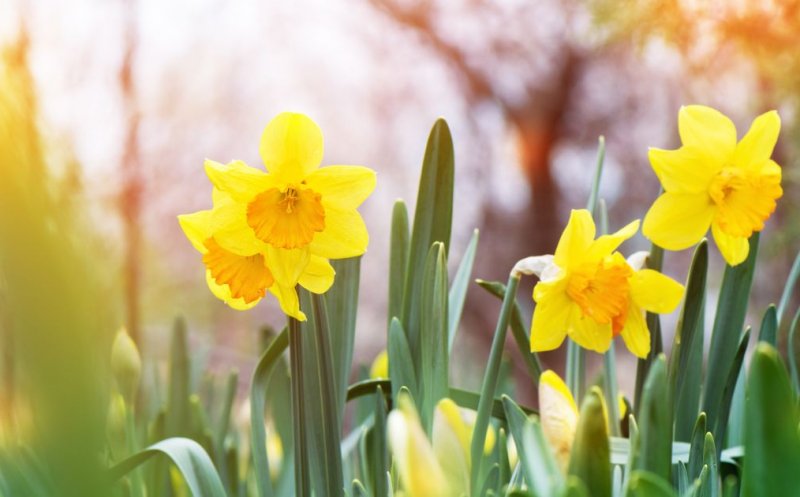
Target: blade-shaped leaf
x=541, y=471
x=433, y=217
x=433, y=334
x=686, y=361
x=590, y=459
x=398, y=259
x=772, y=442
x=458, y=290
x=728, y=325
x=188, y=456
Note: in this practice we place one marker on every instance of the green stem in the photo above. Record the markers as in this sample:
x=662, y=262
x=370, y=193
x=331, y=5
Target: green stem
x=332, y=424
x=137, y=485
x=490, y=382
x=576, y=370
x=301, y=480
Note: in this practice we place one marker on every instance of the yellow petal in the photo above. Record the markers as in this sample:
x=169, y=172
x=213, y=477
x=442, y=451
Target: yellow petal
x=655, y=292
x=342, y=187
x=708, y=131
x=287, y=265
x=291, y=147
x=551, y=315
x=635, y=333
x=198, y=228
x=451, y=439
x=287, y=298
x=558, y=414
x=232, y=231
x=237, y=179
x=678, y=220
x=734, y=249
x=247, y=277
x=576, y=238
x=606, y=244
x=223, y=292
x=685, y=170
x=757, y=145
x=345, y=235
x=587, y=332
x=416, y=463
x=380, y=366
x=318, y=275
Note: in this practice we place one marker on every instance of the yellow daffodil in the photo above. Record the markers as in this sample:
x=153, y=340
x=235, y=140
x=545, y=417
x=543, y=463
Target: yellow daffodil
x=294, y=208
x=712, y=180
x=439, y=467
x=241, y=279
x=589, y=292
x=558, y=414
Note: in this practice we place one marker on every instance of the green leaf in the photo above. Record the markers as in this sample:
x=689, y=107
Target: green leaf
x=398, y=259
x=359, y=490
x=536, y=459
x=179, y=388
x=654, y=261
x=697, y=447
x=788, y=288
x=433, y=334
x=379, y=456
x=686, y=361
x=794, y=351
x=401, y=365
x=575, y=488
x=458, y=290
x=711, y=485
x=769, y=326
x=223, y=425
x=646, y=484
x=518, y=330
x=590, y=459
x=728, y=398
x=728, y=325
x=433, y=217
x=489, y=384
x=772, y=442
x=190, y=459
x=320, y=397
x=654, y=443
x=258, y=394
x=341, y=305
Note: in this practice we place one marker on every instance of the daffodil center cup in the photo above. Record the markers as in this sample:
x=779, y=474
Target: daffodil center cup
x=728, y=180
x=286, y=218
x=602, y=291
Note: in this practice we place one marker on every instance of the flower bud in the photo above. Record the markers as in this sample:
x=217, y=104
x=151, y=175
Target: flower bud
x=126, y=364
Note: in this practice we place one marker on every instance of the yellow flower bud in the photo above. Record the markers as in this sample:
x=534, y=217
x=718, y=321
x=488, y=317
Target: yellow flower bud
x=126, y=364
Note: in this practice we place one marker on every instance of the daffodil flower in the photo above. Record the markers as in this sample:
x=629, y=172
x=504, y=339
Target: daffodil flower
x=294, y=209
x=242, y=279
x=712, y=180
x=591, y=293
x=558, y=414
x=439, y=467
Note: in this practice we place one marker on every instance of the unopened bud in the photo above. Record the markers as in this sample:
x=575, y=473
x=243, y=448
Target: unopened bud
x=126, y=364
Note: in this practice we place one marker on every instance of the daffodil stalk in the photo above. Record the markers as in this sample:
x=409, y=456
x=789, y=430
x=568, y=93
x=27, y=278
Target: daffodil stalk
x=489, y=385
x=301, y=477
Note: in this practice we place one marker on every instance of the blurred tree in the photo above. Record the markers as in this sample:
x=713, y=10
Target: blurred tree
x=130, y=200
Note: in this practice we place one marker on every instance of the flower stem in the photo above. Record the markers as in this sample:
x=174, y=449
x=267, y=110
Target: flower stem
x=490, y=381
x=301, y=480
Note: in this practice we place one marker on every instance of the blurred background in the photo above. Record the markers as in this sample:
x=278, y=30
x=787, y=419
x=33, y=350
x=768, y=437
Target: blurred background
x=130, y=96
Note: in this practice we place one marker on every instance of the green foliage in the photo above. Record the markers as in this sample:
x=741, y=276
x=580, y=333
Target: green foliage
x=333, y=433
